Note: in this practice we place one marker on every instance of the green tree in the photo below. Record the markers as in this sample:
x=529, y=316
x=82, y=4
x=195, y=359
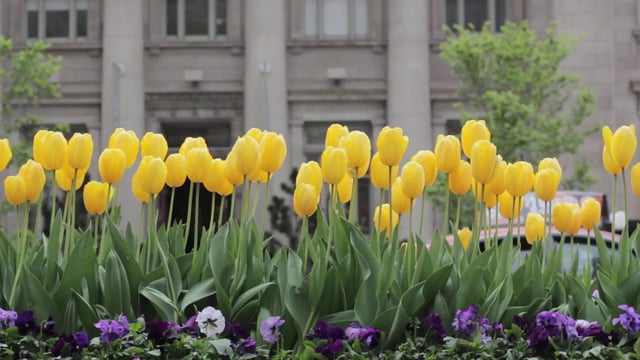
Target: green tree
x=513, y=80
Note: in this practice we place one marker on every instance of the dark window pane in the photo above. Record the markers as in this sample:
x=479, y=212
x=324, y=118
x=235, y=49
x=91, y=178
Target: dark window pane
x=81, y=23
x=452, y=127
x=364, y=210
x=452, y=13
x=221, y=17
x=475, y=12
x=196, y=17
x=57, y=23
x=172, y=17
x=501, y=13
x=216, y=134
x=32, y=24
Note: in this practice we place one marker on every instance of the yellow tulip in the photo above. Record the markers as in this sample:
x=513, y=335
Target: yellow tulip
x=427, y=160
x=490, y=199
x=473, y=131
x=197, y=161
x=215, y=176
x=609, y=165
x=15, y=190
x=5, y=153
x=310, y=173
x=519, y=178
x=591, y=213
x=65, y=181
x=623, y=145
x=400, y=202
x=447, y=153
x=497, y=185
x=39, y=146
x=80, y=151
x=273, y=151
x=127, y=141
x=562, y=216
x=381, y=217
x=412, y=179
x=54, y=150
x=334, y=133
x=230, y=171
x=136, y=188
x=464, y=235
x=576, y=220
x=176, y=170
x=508, y=209
x=256, y=134
x=460, y=178
x=546, y=183
x=246, y=151
x=70, y=172
x=345, y=189
x=550, y=163
x=635, y=179
x=484, y=159
x=358, y=148
x=534, y=228
x=190, y=143
x=380, y=172
x=111, y=165
x=96, y=196
x=226, y=188
x=153, y=174
x=154, y=144
x=333, y=163
x=305, y=200
x=34, y=178
x=258, y=176
x=392, y=145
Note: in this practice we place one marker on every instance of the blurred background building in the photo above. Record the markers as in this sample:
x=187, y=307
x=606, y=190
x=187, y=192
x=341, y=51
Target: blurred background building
x=215, y=68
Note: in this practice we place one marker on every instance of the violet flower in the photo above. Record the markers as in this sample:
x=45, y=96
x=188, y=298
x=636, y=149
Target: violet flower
x=112, y=329
x=585, y=328
x=26, y=323
x=211, y=321
x=465, y=320
x=8, y=318
x=629, y=319
x=235, y=331
x=191, y=327
x=244, y=347
x=435, y=326
x=76, y=343
x=269, y=329
x=369, y=336
x=322, y=330
x=161, y=332
x=332, y=347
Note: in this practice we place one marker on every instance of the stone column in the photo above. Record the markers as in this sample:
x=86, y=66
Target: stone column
x=265, y=80
x=408, y=93
x=122, y=85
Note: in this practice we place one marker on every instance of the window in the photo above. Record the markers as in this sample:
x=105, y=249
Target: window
x=57, y=19
x=477, y=12
x=217, y=133
x=336, y=19
x=196, y=19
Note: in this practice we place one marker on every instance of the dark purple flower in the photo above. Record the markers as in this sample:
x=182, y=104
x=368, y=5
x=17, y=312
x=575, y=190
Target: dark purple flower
x=629, y=319
x=161, y=332
x=585, y=328
x=8, y=317
x=48, y=329
x=58, y=346
x=322, y=330
x=269, y=329
x=434, y=326
x=246, y=346
x=235, y=332
x=370, y=336
x=552, y=321
x=113, y=329
x=353, y=331
x=191, y=327
x=26, y=323
x=75, y=342
x=332, y=347
x=465, y=320
x=79, y=340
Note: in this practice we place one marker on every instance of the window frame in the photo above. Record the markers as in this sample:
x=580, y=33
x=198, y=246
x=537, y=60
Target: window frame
x=181, y=23
x=491, y=11
x=42, y=22
x=351, y=22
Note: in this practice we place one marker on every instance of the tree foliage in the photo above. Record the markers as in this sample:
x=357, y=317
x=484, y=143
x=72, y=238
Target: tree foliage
x=513, y=80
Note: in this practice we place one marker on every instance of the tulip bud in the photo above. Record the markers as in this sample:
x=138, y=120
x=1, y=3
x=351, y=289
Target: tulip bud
x=230, y=171
x=534, y=228
x=519, y=178
x=623, y=145
x=176, y=170
x=464, y=235
x=345, y=189
x=305, y=200
x=5, y=154
x=609, y=165
x=412, y=178
x=34, y=178
x=489, y=200
x=96, y=196
x=447, y=153
x=153, y=174
x=136, y=188
x=546, y=183
x=39, y=146
x=246, y=151
x=381, y=217
x=127, y=141
x=380, y=172
x=550, y=163
x=256, y=134
x=80, y=151
x=154, y=144
x=310, y=173
x=197, y=161
x=215, y=175
x=54, y=150
x=334, y=133
x=400, y=203
x=111, y=165
x=65, y=182
x=333, y=163
x=358, y=148
x=483, y=161
x=635, y=179
x=392, y=145
x=190, y=143
x=15, y=190
x=257, y=176
x=429, y=164
x=591, y=213
x=473, y=131
x=497, y=185
x=576, y=220
x=273, y=151
x=509, y=209
x=460, y=178
x=562, y=216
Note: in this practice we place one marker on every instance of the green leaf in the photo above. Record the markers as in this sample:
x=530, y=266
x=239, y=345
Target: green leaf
x=199, y=291
x=44, y=304
x=160, y=302
x=248, y=295
x=115, y=287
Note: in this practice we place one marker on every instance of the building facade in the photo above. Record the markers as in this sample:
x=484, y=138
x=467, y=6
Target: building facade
x=215, y=68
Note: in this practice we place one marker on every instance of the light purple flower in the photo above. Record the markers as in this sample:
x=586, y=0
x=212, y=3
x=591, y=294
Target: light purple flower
x=269, y=329
x=112, y=329
x=8, y=317
x=211, y=321
x=629, y=319
x=465, y=320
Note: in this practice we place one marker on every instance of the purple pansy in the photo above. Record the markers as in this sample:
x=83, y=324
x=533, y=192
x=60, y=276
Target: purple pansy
x=629, y=319
x=26, y=323
x=76, y=342
x=161, y=332
x=8, y=318
x=586, y=328
x=465, y=320
x=435, y=326
x=332, y=347
x=191, y=327
x=246, y=346
x=270, y=329
x=112, y=329
x=370, y=336
x=235, y=332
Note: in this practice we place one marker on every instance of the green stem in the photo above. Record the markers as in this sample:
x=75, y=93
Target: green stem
x=139, y=242
x=113, y=204
x=353, y=203
x=54, y=198
x=422, y=201
x=22, y=249
x=190, y=201
x=613, y=219
x=196, y=229
x=410, y=219
x=445, y=226
x=264, y=206
x=458, y=206
x=95, y=228
x=170, y=217
x=221, y=211
x=213, y=210
x=626, y=208
x=305, y=242
x=390, y=200
x=233, y=204
x=36, y=226
x=246, y=195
